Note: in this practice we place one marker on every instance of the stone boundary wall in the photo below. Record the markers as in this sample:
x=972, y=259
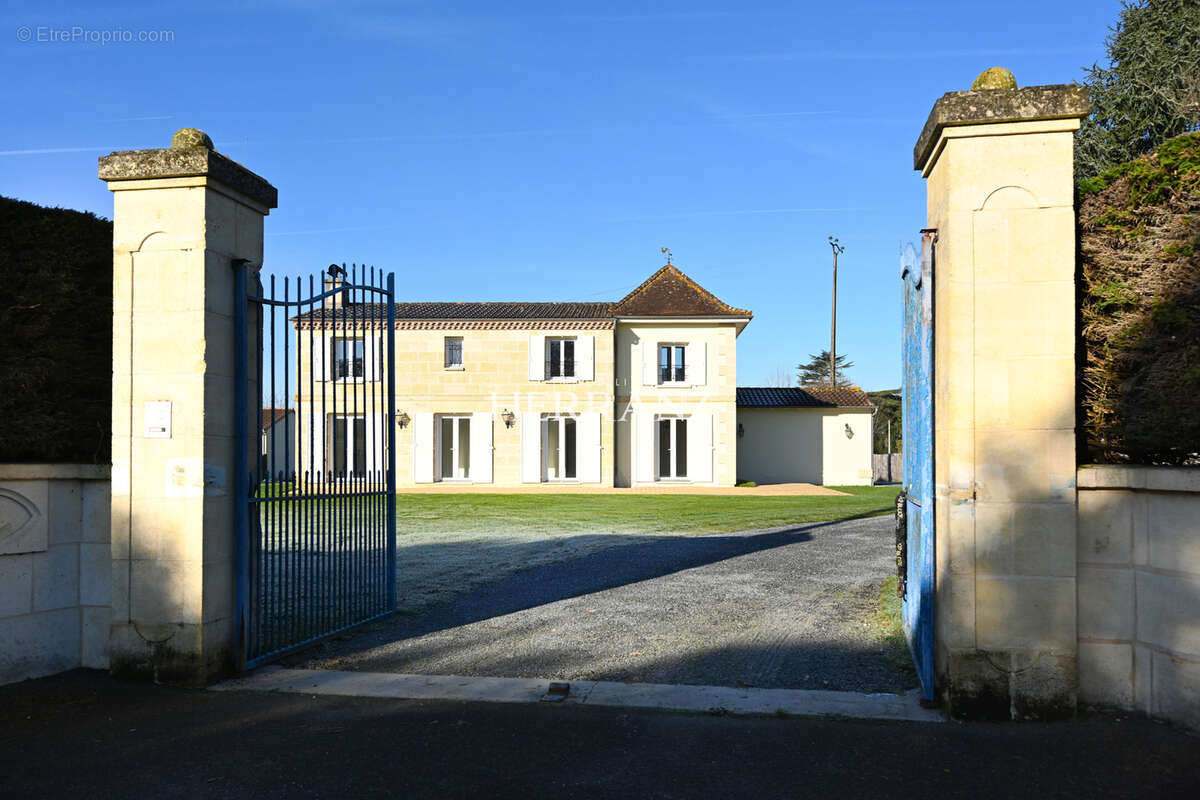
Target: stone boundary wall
x=55, y=568
x=1138, y=562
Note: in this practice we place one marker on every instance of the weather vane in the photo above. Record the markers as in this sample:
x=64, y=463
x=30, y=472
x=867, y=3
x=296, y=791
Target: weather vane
x=666, y=251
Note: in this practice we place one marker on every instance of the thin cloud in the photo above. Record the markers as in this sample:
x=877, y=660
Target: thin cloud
x=908, y=55
x=737, y=212
x=50, y=150
x=331, y=230
x=759, y=119
x=771, y=114
x=664, y=16
x=137, y=119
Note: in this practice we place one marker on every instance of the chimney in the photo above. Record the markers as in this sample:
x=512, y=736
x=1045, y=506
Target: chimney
x=338, y=300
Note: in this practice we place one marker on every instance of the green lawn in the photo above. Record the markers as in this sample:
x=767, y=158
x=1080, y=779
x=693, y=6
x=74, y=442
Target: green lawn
x=577, y=513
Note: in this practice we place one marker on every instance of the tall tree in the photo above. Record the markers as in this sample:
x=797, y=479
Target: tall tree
x=1150, y=91
x=815, y=372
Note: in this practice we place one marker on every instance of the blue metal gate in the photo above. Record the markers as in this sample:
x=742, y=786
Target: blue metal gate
x=316, y=533
x=918, y=544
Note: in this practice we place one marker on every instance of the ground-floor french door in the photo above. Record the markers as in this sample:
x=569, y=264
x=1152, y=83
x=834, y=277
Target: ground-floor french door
x=454, y=448
x=560, y=449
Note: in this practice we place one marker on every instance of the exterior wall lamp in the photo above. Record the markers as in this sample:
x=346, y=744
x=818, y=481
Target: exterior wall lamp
x=849, y=433
x=402, y=419
x=509, y=418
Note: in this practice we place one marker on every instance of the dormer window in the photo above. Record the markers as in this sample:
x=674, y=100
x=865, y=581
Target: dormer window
x=672, y=363
x=560, y=358
x=347, y=358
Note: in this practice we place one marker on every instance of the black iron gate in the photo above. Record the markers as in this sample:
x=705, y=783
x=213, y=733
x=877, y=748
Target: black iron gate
x=316, y=535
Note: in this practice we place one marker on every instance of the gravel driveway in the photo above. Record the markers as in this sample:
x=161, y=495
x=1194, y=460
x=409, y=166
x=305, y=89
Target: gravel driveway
x=791, y=608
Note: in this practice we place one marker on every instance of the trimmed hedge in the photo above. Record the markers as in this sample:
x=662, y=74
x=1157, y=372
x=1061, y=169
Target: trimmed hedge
x=56, y=323
x=1139, y=253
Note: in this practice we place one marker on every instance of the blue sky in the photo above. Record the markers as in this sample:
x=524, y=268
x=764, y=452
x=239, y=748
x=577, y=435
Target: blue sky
x=546, y=151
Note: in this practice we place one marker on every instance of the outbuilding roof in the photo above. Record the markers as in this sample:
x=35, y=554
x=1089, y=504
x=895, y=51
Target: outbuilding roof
x=802, y=397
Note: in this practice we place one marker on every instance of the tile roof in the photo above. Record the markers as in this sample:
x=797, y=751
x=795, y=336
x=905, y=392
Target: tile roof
x=272, y=415
x=363, y=312
x=806, y=397
x=670, y=293
x=666, y=293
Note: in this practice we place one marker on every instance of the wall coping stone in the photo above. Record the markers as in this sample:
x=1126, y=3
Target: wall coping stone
x=61, y=472
x=1153, y=479
x=1061, y=101
x=187, y=162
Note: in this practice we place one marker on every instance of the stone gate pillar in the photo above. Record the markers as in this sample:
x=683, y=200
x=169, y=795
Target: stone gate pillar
x=998, y=164
x=181, y=216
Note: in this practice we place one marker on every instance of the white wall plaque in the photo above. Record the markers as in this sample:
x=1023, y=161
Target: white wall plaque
x=158, y=419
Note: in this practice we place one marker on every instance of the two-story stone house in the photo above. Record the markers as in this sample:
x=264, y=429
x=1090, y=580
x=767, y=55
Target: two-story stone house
x=637, y=392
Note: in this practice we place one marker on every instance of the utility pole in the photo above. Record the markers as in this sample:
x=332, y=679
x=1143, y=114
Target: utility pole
x=837, y=248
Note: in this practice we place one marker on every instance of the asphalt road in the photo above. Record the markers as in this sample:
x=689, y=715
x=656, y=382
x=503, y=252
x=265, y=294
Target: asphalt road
x=83, y=735
x=778, y=609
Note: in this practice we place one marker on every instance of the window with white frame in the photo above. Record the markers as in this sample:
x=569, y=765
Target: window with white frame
x=671, y=363
x=560, y=451
x=348, y=448
x=560, y=358
x=348, y=358
x=454, y=352
x=454, y=448
x=672, y=447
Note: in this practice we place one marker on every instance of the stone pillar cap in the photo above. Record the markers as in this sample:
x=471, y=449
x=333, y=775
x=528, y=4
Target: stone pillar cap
x=190, y=155
x=984, y=106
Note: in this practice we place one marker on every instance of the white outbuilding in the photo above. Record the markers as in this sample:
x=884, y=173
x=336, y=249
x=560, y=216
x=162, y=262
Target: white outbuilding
x=804, y=435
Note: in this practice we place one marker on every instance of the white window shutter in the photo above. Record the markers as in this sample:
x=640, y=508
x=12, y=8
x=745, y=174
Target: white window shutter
x=697, y=363
x=588, y=449
x=537, y=357
x=324, y=366
x=481, y=447
x=700, y=448
x=423, y=430
x=644, y=448
x=376, y=442
x=585, y=358
x=316, y=468
x=649, y=363
x=370, y=357
x=531, y=447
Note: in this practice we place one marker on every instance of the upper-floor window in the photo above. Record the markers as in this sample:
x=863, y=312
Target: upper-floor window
x=560, y=358
x=348, y=358
x=454, y=352
x=672, y=367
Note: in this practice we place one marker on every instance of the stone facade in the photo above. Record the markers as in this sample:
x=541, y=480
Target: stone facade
x=500, y=394
x=55, y=569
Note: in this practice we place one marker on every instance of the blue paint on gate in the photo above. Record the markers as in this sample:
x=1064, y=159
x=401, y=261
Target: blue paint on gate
x=918, y=604
x=315, y=534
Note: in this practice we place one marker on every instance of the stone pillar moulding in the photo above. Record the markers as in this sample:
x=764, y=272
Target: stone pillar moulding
x=998, y=163
x=181, y=215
